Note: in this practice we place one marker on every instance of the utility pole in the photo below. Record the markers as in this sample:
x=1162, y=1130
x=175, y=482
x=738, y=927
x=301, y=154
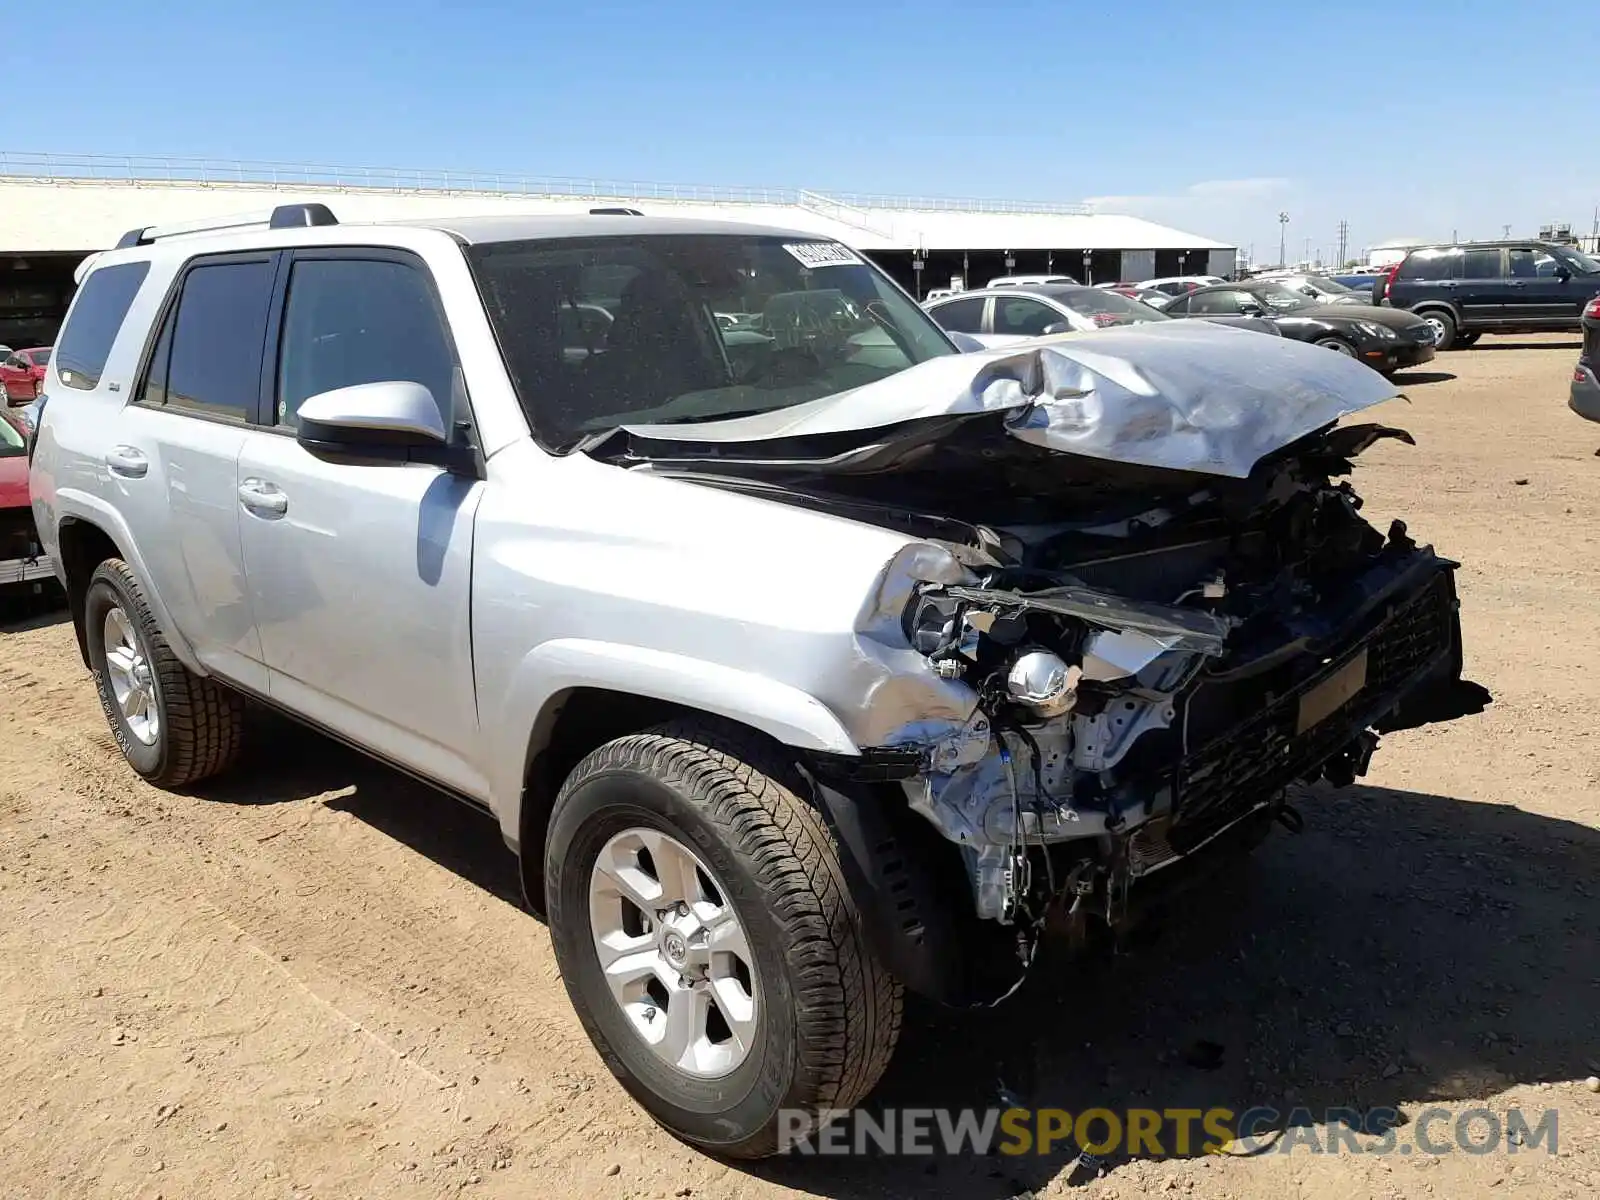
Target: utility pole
x=1505, y=231
x=1344, y=244
x=1283, y=233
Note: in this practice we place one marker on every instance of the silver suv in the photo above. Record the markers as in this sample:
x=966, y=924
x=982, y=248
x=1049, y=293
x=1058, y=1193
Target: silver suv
x=799, y=657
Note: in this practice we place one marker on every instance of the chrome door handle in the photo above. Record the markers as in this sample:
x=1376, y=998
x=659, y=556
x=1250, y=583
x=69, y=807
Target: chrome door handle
x=128, y=462
x=263, y=498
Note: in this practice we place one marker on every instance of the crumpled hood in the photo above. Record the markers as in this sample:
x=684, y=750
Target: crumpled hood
x=1185, y=395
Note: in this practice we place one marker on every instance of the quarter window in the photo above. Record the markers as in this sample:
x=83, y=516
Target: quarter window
x=96, y=317
x=207, y=359
x=350, y=321
x=1431, y=264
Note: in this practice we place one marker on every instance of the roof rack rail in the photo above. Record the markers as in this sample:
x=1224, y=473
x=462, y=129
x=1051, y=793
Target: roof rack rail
x=285, y=216
x=615, y=212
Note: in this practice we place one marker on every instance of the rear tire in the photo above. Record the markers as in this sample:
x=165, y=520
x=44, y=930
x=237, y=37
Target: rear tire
x=822, y=1014
x=1465, y=340
x=174, y=727
x=1444, y=327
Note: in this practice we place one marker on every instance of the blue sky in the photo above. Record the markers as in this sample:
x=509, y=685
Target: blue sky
x=1404, y=118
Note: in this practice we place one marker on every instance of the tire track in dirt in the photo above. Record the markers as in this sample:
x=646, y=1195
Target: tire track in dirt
x=373, y=947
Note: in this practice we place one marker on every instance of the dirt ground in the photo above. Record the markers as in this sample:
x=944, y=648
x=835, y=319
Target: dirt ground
x=315, y=979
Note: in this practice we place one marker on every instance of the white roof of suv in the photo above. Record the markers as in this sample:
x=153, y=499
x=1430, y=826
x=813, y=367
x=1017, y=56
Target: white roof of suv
x=286, y=220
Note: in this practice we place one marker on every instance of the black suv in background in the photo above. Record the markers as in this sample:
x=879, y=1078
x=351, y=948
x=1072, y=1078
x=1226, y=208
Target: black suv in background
x=1586, y=375
x=1494, y=287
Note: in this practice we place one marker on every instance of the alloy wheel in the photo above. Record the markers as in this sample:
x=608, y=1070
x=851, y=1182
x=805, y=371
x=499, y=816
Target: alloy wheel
x=674, y=953
x=133, y=681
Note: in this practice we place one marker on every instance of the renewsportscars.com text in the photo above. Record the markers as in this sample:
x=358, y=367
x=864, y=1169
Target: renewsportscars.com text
x=1169, y=1132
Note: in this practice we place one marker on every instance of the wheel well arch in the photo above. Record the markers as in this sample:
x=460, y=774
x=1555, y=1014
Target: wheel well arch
x=82, y=546
x=573, y=724
x=1444, y=306
x=909, y=883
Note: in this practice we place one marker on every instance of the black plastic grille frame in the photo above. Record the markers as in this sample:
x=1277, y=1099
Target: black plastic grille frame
x=1263, y=754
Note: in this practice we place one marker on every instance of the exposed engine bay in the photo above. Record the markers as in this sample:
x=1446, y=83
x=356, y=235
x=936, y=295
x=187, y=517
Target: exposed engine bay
x=1157, y=650
x=1148, y=683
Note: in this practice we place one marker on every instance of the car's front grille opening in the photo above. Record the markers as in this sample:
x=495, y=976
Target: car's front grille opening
x=1232, y=773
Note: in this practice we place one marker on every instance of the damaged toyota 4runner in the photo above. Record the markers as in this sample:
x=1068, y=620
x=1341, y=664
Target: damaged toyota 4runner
x=799, y=657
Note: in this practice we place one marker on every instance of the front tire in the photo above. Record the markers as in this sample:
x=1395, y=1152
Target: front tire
x=174, y=727
x=1466, y=340
x=690, y=862
x=1338, y=345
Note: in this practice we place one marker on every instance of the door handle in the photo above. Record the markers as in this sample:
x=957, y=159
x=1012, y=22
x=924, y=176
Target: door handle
x=263, y=498
x=128, y=462
x=1518, y=282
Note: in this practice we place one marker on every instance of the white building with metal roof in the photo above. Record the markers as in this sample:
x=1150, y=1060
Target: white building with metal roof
x=56, y=208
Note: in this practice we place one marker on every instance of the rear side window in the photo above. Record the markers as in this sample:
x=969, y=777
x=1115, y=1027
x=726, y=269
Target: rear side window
x=1017, y=315
x=353, y=320
x=1431, y=264
x=207, y=359
x=961, y=316
x=1225, y=303
x=97, y=315
x=1481, y=264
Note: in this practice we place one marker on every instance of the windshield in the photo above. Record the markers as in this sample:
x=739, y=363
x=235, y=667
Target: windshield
x=666, y=329
x=1584, y=263
x=11, y=441
x=1279, y=298
x=1106, y=308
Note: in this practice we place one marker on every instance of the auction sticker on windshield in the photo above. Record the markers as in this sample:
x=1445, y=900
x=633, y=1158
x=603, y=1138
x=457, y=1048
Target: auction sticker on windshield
x=822, y=254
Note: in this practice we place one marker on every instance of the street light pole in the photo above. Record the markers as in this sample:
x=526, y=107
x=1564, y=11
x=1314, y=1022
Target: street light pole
x=1283, y=235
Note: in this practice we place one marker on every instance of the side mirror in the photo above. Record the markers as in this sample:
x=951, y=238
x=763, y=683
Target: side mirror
x=1563, y=274
x=1056, y=327
x=1252, y=310
x=391, y=422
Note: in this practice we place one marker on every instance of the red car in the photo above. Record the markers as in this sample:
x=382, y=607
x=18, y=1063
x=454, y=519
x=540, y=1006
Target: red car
x=22, y=564
x=22, y=372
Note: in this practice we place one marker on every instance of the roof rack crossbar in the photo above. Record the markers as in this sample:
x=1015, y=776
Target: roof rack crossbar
x=285, y=216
